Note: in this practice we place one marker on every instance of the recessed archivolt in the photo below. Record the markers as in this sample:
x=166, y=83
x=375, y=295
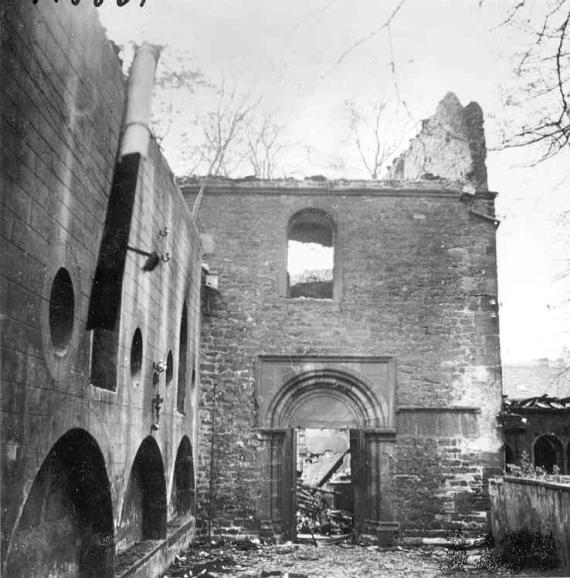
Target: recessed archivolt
x=368, y=410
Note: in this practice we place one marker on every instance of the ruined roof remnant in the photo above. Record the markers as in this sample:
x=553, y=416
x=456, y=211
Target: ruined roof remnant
x=542, y=402
x=450, y=145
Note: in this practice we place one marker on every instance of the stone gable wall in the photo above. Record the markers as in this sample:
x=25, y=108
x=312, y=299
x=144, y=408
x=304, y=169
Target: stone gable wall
x=418, y=276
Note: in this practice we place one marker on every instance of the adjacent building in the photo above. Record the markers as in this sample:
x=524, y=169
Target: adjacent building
x=100, y=309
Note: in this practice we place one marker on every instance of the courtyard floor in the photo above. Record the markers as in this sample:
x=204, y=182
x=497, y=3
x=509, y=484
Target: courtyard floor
x=248, y=560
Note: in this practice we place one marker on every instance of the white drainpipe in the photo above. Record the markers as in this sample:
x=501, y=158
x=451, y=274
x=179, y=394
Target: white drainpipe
x=136, y=131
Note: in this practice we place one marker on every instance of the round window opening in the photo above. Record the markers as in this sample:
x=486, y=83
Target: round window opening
x=169, y=368
x=136, y=353
x=61, y=311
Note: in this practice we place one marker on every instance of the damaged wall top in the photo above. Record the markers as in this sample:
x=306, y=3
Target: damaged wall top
x=450, y=145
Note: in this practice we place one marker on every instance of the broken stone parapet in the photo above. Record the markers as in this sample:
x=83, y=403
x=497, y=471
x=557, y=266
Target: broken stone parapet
x=425, y=184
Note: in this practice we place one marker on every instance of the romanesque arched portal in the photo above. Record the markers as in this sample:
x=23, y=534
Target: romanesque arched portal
x=356, y=393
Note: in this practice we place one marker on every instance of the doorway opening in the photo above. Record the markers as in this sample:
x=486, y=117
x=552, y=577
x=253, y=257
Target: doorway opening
x=324, y=484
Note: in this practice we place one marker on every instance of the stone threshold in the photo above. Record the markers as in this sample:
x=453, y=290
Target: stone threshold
x=153, y=557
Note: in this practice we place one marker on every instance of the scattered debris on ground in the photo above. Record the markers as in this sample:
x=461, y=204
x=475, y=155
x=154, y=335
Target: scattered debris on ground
x=250, y=558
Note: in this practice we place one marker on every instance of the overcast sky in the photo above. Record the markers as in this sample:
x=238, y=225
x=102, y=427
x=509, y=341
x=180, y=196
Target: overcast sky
x=293, y=53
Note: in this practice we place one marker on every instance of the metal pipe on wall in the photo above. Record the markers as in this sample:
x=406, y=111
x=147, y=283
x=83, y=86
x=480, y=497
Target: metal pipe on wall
x=139, y=95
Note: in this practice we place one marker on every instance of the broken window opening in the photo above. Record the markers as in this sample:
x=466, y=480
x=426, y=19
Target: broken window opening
x=310, y=255
x=324, y=484
x=104, y=350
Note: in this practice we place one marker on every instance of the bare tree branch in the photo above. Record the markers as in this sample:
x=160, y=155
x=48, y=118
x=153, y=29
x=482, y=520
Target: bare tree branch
x=264, y=146
x=542, y=75
x=372, y=34
x=559, y=66
x=375, y=139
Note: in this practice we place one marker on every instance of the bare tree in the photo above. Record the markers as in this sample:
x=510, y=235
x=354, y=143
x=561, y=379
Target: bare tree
x=223, y=127
x=264, y=145
x=220, y=143
x=376, y=135
x=223, y=147
x=175, y=75
x=542, y=72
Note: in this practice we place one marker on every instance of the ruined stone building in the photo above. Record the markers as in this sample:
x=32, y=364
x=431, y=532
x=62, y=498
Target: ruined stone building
x=537, y=431
x=396, y=340
x=393, y=338
x=536, y=415
x=100, y=309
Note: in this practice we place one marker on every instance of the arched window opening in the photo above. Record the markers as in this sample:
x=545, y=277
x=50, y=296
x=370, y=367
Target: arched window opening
x=548, y=453
x=169, y=368
x=66, y=526
x=136, y=353
x=183, y=487
x=310, y=255
x=61, y=311
x=509, y=456
x=182, y=360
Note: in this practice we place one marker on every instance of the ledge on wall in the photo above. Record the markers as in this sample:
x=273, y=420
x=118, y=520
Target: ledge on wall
x=152, y=557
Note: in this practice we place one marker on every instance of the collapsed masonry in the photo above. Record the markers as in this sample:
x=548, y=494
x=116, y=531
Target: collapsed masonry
x=395, y=341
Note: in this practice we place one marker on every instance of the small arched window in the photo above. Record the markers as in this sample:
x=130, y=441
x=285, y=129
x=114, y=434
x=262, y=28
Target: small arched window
x=310, y=255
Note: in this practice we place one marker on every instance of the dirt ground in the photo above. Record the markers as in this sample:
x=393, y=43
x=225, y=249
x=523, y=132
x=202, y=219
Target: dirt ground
x=247, y=559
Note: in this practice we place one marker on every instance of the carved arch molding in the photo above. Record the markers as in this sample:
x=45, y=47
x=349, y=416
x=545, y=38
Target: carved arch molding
x=357, y=393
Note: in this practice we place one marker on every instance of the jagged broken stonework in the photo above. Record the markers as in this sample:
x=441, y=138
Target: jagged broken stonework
x=450, y=145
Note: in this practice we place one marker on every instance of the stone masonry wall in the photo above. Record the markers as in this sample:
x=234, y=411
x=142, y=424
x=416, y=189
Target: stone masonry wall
x=418, y=276
x=62, y=101
x=532, y=505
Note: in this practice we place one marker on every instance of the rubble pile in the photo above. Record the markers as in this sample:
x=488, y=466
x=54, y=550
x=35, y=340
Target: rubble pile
x=314, y=516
